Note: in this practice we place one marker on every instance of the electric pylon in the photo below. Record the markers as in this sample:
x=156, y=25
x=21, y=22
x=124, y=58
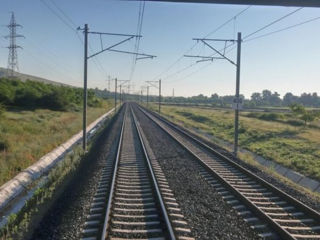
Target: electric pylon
x=13, y=56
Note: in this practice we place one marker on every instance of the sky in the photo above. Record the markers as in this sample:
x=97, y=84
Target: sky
x=288, y=61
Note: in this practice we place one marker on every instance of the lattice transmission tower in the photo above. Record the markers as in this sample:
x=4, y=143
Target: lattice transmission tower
x=13, y=56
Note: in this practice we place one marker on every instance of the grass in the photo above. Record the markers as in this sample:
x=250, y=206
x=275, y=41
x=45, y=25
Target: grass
x=25, y=136
x=276, y=137
x=20, y=223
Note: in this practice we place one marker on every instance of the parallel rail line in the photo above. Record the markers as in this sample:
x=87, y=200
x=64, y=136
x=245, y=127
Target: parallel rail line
x=266, y=208
x=136, y=206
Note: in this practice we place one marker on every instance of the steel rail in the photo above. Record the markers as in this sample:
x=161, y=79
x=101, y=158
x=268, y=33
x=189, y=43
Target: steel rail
x=277, y=227
x=108, y=212
x=154, y=181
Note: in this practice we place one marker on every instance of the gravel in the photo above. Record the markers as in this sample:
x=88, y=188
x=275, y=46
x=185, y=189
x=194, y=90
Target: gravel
x=66, y=217
x=208, y=215
x=307, y=199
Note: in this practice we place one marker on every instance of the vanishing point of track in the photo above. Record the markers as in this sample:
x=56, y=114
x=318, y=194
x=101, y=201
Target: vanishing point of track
x=133, y=200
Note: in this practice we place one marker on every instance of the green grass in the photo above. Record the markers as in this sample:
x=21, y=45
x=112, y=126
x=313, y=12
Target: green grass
x=275, y=136
x=25, y=136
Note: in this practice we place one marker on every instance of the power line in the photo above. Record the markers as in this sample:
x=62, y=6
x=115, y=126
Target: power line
x=256, y=31
x=192, y=73
x=64, y=14
x=72, y=26
x=283, y=29
x=228, y=21
x=273, y=22
x=179, y=71
x=194, y=45
x=58, y=16
x=137, y=43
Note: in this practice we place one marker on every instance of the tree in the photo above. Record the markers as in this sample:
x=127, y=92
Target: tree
x=2, y=109
x=256, y=99
x=297, y=108
x=306, y=116
x=275, y=99
x=266, y=95
x=289, y=99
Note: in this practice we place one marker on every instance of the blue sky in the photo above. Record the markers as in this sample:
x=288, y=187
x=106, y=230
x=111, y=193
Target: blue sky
x=283, y=62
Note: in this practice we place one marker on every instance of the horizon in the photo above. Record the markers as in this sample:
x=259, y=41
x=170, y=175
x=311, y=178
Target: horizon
x=266, y=63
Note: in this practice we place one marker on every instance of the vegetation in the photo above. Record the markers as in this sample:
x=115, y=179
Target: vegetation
x=24, y=135
x=36, y=117
x=19, y=223
x=2, y=110
x=264, y=99
x=303, y=114
x=281, y=137
x=34, y=95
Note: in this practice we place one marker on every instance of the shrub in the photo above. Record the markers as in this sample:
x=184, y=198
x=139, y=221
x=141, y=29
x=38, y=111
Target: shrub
x=253, y=115
x=33, y=94
x=2, y=109
x=271, y=116
x=303, y=114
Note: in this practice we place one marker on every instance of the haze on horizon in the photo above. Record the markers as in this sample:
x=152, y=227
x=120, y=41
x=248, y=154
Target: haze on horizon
x=287, y=61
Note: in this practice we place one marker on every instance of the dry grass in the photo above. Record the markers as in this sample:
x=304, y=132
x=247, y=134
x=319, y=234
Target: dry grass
x=297, y=147
x=25, y=136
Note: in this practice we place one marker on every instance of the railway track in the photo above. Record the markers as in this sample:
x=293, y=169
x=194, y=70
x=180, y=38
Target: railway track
x=138, y=196
x=270, y=211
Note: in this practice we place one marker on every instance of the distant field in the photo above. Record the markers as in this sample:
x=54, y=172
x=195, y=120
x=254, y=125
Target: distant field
x=276, y=136
x=25, y=136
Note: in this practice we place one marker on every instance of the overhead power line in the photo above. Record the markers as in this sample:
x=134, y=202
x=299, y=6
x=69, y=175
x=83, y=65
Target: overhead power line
x=227, y=47
x=68, y=22
x=64, y=14
x=283, y=29
x=58, y=16
x=195, y=44
x=137, y=43
x=273, y=22
x=228, y=21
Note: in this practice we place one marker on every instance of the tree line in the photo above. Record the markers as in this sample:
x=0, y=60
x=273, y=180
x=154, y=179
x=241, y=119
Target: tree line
x=31, y=94
x=264, y=99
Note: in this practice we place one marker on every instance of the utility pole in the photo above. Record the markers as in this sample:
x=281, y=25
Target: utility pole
x=13, y=55
x=153, y=84
x=120, y=95
x=159, y=96
x=141, y=96
x=236, y=117
x=109, y=89
x=103, y=49
x=237, y=102
x=84, y=127
x=122, y=82
x=147, y=96
x=115, y=95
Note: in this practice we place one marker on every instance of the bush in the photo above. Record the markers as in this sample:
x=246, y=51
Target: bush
x=2, y=109
x=253, y=115
x=271, y=116
x=33, y=94
x=266, y=116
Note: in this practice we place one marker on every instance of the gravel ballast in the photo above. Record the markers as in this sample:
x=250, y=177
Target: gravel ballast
x=208, y=215
x=305, y=198
x=66, y=217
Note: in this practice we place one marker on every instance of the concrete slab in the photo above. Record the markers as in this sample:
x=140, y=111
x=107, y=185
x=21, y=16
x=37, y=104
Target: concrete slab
x=309, y=183
x=294, y=176
x=281, y=169
x=261, y=160
x=11, y=189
